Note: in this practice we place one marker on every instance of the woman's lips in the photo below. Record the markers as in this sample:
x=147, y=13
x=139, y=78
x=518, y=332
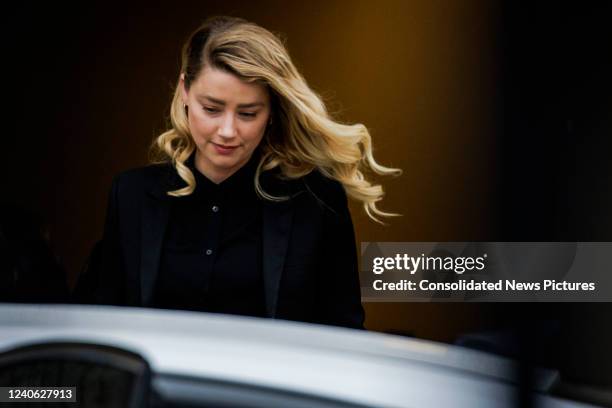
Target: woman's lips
x=224, y=149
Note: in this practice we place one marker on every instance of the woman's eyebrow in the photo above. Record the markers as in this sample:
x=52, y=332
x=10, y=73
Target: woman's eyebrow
x=220, y=102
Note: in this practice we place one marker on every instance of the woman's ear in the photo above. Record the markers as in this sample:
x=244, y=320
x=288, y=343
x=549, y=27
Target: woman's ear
x=184, y=95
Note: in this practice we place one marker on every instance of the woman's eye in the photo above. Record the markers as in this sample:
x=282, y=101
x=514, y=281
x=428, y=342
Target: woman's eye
x=211, y=110
x=248, y=114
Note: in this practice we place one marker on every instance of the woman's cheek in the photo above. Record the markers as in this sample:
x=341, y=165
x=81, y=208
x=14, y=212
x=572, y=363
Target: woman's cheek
x=202, y=128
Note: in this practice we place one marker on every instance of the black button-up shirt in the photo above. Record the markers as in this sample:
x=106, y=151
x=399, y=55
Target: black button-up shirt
x=211, y=256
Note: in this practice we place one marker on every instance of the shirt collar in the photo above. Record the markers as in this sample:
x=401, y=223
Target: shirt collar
x=240, y=183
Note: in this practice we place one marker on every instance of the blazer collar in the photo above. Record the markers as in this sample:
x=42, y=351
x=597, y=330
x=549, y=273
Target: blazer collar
x=276, y=229
x=167, y=180
x=153, y=222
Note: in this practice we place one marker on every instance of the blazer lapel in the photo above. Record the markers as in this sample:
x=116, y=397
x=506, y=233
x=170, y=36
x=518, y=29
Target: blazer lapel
x=276, y=231
x=155, y=214
x=277, y=219
x=153, y=225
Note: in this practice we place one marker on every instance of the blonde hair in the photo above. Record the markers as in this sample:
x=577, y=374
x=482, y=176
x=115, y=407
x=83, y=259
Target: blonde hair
x=302, y=136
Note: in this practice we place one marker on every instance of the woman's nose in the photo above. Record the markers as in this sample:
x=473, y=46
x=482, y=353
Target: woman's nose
x=227, y=129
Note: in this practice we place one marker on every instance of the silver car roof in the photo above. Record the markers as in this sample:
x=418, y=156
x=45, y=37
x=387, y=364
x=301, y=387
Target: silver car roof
x=360, y=367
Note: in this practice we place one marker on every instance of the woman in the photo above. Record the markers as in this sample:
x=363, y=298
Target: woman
x=245, y=210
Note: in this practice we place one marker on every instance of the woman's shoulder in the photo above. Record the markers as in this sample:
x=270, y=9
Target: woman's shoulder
x=326, y=191
x=320, y=183
x=315, y=187
x=144, y=177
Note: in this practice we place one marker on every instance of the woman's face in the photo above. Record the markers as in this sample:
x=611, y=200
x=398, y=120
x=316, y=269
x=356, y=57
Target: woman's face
x=227, y=120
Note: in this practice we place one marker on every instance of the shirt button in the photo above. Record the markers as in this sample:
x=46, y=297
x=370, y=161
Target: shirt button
x=215, y=208
x=208, y=251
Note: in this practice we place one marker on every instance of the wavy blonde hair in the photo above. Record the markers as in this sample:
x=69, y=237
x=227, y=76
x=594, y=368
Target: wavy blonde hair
x=302, y=136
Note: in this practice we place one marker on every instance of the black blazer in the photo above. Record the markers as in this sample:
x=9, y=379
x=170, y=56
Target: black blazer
x=309, y=257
